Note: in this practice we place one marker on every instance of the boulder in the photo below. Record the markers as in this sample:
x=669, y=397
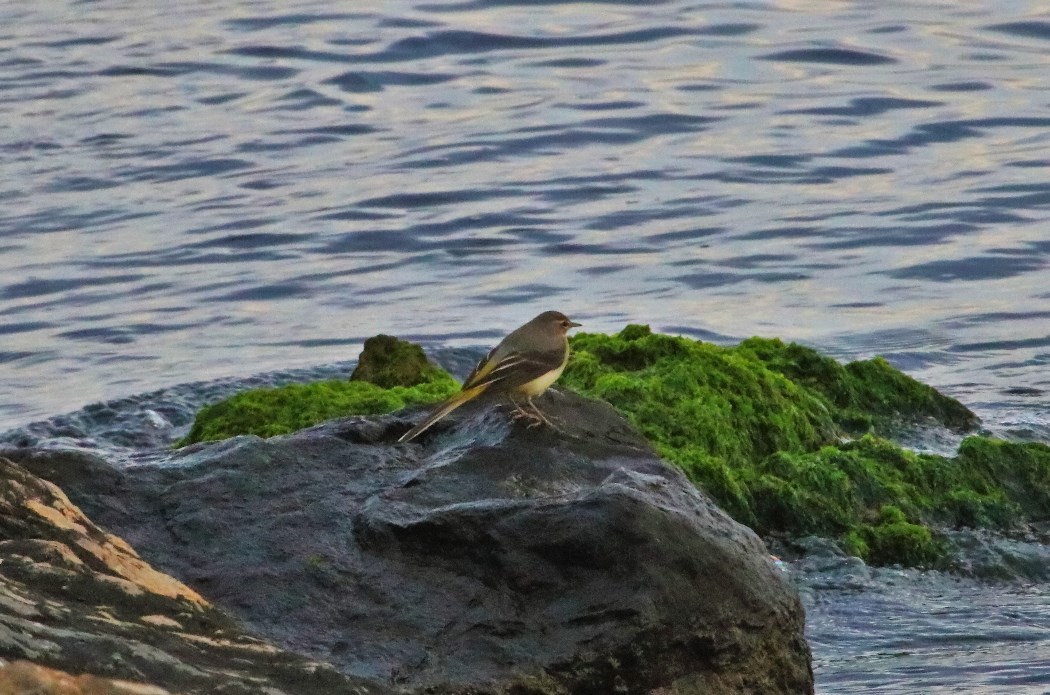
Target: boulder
x=484, y=558
x=76, y=598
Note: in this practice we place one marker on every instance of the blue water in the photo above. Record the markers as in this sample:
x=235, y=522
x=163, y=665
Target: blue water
x=195, y=191
x=906, y=632
x=917, y=633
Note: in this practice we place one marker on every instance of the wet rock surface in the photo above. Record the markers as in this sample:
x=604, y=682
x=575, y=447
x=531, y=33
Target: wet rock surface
x=77, y=599
x=26, y=678
x=484, y=558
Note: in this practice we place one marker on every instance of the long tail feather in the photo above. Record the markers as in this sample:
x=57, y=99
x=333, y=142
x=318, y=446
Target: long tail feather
x=443, y=410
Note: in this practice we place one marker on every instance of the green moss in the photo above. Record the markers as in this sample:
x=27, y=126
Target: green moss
x=963, y=507
x=1020, y=470
x=868, y=394
x=854, y=544
x=759, y=427
x=802, y=495
x=895, y=540
x=272, y=411
x=836, y=490
x=682, y=393
x=387, y=361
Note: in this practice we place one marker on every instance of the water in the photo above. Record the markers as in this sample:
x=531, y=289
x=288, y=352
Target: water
x=889, y=630
x=196, y=191
x=911, y=632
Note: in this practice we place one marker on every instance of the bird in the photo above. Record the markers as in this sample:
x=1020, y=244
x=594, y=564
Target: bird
x=521, y=367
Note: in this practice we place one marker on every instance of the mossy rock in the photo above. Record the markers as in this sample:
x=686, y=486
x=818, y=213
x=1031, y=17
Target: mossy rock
x=867, y=394
x=387, y=362
x=837, y=490
x=892, y=539
x=391, y=374
x=272, y=411
x=760, y=427
x=682, y=393
x=1020, y=469
x=720, y=412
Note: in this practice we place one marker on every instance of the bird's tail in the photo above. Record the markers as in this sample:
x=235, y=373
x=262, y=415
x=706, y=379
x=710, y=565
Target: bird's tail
x=443, y=410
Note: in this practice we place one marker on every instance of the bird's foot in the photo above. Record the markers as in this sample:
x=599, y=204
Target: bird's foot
x=533, y=414
x=520, y=413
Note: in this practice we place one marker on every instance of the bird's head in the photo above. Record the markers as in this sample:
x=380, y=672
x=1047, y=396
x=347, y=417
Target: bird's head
x=558, y=320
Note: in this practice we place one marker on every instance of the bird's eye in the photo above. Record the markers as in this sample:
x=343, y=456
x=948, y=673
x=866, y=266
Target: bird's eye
x=564, y=324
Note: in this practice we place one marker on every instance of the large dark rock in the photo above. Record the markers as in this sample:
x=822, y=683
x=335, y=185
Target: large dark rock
x=78, y=599
x=485, y=559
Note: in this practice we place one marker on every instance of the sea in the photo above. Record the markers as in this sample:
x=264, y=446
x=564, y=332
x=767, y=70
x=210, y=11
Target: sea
x=197, y=197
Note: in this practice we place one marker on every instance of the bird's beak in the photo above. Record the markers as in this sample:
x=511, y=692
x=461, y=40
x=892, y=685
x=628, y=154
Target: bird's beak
x=573, y=324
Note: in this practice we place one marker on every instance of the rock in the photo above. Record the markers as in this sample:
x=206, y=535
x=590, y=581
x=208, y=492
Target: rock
x=81, y=474
x=388, y=361
x=992, y=557
x=22, y=677
x=76, y=598
x=484, y=559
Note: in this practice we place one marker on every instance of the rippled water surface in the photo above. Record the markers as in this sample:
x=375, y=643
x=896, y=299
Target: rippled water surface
x=924, y=633
x=195, y=190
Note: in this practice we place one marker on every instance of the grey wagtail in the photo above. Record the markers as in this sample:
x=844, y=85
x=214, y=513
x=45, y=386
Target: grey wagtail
x=520, y=368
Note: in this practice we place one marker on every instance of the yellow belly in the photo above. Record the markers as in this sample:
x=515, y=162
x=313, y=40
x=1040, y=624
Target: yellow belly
x=538, y=386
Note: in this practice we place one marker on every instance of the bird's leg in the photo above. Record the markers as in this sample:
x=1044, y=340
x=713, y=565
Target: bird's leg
x=538, y=417
x=518, y=412
x=532, y=413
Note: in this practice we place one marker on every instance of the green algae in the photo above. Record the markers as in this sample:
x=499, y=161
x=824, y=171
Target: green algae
x=733, y=417
x=843, y=491
x=387, y=361
x=685, y=394
x=1020, y=470
x=832, y=490
x=867, y=394
x=761, y=427
x=391, y=374
x=272, y=411
x=892, y=539
x=786, y=440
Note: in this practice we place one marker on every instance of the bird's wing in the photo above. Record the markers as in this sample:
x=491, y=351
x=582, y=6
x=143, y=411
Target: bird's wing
x=441, y=411
x=483, y=367
x=514, y=368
